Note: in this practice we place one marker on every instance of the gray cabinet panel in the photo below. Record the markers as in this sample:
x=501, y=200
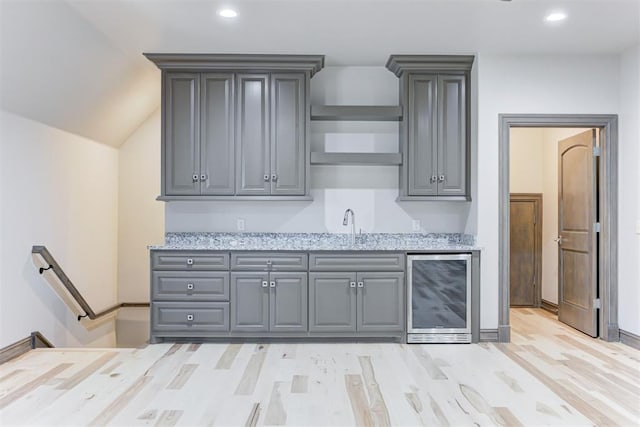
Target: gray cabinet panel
x=452, y=140
x=345, y=261
x=250, y=302
x=252, y=135
x=216, y=135
x=332, y=302
x=269, y=261
x=181, y=133
x=380, y=302
x=288, y=134
x=422, y=128
x=190, y=286
x=177, y=260
x=288, y=302
x=190, y=317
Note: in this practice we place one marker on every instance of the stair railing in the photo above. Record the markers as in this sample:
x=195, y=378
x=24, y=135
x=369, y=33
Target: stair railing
x=77, y=302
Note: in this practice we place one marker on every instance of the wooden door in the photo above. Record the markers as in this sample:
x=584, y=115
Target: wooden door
x=525, y=251
x=577, y=274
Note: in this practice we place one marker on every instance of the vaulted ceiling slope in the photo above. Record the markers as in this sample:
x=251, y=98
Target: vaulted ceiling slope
x=77, y=64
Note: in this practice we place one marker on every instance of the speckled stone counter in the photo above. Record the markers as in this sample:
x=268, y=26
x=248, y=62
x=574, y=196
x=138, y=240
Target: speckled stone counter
x=318, y=242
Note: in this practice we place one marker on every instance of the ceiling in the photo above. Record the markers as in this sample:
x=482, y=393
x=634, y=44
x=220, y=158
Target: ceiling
x=77, y=65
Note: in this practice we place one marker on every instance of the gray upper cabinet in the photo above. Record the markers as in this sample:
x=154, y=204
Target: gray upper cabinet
x=288, y=127
x=235, y=126
x=181, y=118
x=434, y=131
x=216, y=134
x=254, y=166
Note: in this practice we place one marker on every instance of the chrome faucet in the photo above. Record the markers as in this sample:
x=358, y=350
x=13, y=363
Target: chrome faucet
x=345, y=222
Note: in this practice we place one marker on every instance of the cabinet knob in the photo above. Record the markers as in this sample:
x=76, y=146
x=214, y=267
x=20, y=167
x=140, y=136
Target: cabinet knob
x=189, y=261
x=195, y=177
x=203, y=177
x=266, y=177
x=434, y=178
x=265, y=284
x=361, y=284
x=272, y=284
x=274, y=177
x=352, y=284
x=190, y=286
x=190, y=317
x=441, y=179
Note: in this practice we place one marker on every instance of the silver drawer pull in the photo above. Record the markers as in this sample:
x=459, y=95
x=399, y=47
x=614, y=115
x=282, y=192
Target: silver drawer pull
x=195, y=177
x=269, y=262
x=352, y=284
x=361, y=284
x=434, y=178
x=190, y=317
x=265, y=284
x=190, y=286
x=441, y=178
x=203, y=177
x=189, y=261
x=272, y=284
x=274, y=177
x=266, y=177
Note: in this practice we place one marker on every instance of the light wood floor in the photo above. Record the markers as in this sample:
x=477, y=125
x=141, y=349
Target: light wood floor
x=548, y=375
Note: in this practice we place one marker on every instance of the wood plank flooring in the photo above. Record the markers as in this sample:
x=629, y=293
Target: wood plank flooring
x=549, y=375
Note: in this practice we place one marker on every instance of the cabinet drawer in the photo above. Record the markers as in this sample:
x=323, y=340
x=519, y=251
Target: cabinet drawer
x=190, y=286
x=269, y=261
x=190, y=317
x=169, y=260
x=347, y=261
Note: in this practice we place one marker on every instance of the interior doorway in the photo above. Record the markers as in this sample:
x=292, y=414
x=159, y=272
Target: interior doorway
x=601, y=305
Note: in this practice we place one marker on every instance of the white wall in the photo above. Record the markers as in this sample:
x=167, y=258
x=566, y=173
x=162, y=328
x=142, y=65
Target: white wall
x=58, y=190
x=370, y=191
x=629, y=192
x=528, y=84
x=141, y=217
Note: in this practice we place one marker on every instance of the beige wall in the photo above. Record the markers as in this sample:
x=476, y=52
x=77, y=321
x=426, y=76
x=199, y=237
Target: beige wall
x=58, y=190
x=141, y=216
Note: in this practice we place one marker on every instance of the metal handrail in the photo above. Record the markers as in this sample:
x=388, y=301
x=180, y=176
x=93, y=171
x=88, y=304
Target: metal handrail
x=73, y=291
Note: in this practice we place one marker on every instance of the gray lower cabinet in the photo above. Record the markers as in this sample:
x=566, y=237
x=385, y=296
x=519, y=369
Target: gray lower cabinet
x=356, y=302
x=190, y=319
x=268, y=302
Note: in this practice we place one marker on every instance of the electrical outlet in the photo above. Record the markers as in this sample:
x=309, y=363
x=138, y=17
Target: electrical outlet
x=240, y=224
x=415, y=225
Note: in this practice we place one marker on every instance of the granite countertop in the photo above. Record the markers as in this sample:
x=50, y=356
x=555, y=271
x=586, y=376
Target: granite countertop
x=318, y=242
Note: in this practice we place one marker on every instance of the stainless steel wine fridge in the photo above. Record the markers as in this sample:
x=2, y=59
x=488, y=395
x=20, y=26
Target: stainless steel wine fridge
x=439, y=306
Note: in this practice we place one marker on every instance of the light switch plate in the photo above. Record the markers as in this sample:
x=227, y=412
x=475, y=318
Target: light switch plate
x=240, y=224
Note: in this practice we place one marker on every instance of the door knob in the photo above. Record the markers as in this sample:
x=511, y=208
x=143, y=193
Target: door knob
x=558, y=240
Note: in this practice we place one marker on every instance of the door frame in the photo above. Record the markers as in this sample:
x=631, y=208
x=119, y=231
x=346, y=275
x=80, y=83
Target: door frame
x=607, y=124
x=537, y=239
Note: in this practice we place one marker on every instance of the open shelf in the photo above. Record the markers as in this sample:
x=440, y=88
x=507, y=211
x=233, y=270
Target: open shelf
x=389, y=113
x=320, y=158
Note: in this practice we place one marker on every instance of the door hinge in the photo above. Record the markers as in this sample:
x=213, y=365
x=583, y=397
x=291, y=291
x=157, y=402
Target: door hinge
x=596, y=151
x=596, y=227
x=596, y=303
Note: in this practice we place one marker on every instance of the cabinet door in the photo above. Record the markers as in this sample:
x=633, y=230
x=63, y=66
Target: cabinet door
x=422, y=128
x=181, y=133
x=253, y=171
x=380, y=302
x=249, y=302
x=216, y=135
x=288, y=302
x=332, y=302
x=288, y=146
x=452, y=136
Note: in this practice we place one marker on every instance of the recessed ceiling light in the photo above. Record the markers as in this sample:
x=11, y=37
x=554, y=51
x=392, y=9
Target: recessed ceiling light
x=555, y=17
x=228, y=13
